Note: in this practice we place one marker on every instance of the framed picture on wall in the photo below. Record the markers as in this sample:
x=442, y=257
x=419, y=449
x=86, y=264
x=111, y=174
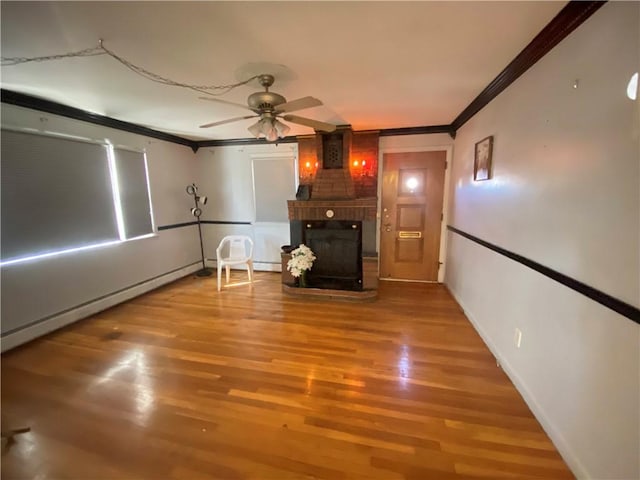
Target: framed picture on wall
x=482, y=162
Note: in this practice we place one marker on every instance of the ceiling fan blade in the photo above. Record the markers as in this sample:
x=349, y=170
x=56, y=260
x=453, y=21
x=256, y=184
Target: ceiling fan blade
x=318, y=125
x=219, y=100
x=298, y=104
x=230, y=120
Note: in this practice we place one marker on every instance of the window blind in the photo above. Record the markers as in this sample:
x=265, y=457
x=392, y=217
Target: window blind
x=274, y=183
x=56, y=195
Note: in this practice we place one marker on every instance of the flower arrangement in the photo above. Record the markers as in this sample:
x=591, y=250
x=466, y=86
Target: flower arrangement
x=301, y=261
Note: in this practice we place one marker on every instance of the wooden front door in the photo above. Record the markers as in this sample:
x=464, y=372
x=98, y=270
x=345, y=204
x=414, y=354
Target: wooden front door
x=412, y=199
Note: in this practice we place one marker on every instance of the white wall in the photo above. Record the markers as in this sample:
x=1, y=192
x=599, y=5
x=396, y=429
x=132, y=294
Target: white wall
x=44, y=294
x=226, y=176
x=566, y=193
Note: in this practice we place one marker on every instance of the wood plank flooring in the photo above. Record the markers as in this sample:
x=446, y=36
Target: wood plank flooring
x=187, y=383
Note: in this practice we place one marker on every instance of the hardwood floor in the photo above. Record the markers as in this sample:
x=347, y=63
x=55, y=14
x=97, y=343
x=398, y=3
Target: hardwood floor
x=186, y=382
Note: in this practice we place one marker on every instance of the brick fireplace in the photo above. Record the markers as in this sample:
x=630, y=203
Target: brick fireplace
x=339, y=170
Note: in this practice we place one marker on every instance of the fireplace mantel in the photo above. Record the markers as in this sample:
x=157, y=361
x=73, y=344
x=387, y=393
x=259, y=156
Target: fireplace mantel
x=358, y=209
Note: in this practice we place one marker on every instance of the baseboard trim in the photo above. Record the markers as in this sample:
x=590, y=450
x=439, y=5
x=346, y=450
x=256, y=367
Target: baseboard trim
x=54, y=322
x=566, y=452
x=402, y=280
x=267, y=266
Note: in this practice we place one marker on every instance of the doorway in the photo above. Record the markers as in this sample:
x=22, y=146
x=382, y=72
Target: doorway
x=412, y=215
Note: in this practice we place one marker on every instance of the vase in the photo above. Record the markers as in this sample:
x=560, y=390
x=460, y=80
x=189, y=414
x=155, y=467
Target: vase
x=302, y=279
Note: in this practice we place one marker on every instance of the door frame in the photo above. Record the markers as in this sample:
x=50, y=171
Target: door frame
x=445, y=201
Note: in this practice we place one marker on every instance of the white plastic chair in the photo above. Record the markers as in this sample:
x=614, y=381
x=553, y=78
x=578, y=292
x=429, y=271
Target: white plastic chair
x=238, y=254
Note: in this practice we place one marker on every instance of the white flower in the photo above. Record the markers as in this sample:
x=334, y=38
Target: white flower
x=301, y=260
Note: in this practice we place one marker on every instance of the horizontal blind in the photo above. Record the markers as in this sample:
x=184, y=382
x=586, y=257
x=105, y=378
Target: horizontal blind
x=134, y=193
x=274, y=182
x=56, y=195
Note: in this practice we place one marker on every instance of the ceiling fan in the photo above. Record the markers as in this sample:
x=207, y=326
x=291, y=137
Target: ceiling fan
x=270, y=107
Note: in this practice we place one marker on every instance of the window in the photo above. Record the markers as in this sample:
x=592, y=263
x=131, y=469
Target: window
x=131, y=171
x=274, y=183
x=58, y=195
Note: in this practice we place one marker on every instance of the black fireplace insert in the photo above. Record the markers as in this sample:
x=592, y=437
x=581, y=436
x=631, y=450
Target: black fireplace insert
x=337, y=245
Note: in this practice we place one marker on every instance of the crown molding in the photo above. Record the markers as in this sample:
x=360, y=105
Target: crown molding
x=42, y=105
x=428, y=129
x=565, y=22
x=244, y=141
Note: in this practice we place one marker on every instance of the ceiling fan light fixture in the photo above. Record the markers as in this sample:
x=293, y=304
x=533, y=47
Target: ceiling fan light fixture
x=272, y=134
x=281, y=128
x=256, y=128
x=269, y=107
x=269, y=128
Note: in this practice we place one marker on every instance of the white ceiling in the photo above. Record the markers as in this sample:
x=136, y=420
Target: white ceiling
x=374, y=64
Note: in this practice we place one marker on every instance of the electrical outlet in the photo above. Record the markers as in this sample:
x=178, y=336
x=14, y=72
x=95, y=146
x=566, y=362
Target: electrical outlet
x=517, y=338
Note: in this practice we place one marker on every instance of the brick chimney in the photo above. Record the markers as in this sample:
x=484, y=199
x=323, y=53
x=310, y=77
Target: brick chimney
x=333, y=177
x=324, y=162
